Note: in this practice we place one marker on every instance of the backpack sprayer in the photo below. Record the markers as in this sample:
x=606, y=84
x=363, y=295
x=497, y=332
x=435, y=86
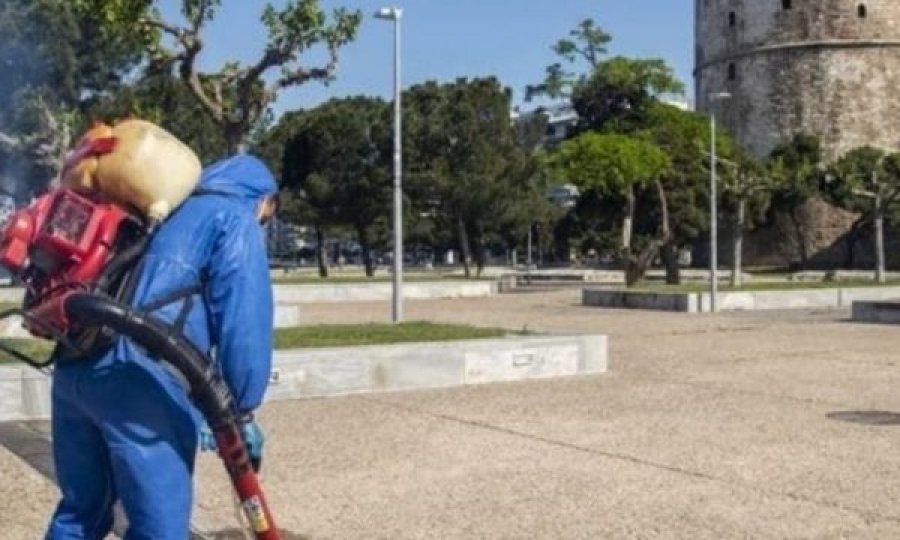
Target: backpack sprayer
x=75, y=252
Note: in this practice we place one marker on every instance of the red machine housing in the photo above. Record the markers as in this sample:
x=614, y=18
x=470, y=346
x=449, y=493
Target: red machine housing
x=58, y=245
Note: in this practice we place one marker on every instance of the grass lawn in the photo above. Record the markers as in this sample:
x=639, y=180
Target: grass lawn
x=762, y=286
x=340, y=335
x=314, y=279
x=335, y=335
x=38, y=349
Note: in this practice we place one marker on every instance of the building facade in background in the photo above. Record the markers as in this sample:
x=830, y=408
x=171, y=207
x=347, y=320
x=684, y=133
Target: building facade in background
x=830, y=68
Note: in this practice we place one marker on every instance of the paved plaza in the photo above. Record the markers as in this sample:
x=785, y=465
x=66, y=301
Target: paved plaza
x=744, y=425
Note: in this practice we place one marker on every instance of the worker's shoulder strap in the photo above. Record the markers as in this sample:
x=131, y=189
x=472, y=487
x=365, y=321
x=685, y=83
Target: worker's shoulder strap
x=185, y=294
x=176, y=295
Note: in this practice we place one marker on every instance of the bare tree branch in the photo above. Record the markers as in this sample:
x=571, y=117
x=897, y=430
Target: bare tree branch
x=300, y=75
x=200, y=16
x=188, y=71
x=178, y=33
x=190, y=43
x=192, y=77
x=588, y=53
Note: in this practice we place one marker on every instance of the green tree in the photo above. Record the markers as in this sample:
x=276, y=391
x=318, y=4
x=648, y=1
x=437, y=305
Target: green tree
x=618, y=166
x=162, y=98
x=270, y=146
x=237, y=96
x=338, y=162
x=295, y=207
x=796, y=166
x=586, y=44
x=620, y=93
x=866, y=180
x=747, y=187
x=464, y=164
x=613, y=94
x=684, y=137
x=55, y=66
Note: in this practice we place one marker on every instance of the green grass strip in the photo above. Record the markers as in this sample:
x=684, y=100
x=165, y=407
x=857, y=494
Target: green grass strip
x=38, y=349
x=354, y=279
x=346, y=335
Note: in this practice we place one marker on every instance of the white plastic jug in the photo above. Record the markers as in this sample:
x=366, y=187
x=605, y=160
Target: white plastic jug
x=137, y=163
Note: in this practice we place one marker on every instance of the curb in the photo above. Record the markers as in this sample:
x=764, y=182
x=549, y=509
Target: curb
x=310, y=373
x=829, y=298
x=307, y=293
x=876, y=312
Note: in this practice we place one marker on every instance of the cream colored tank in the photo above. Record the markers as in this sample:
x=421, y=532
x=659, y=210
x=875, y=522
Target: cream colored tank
x=134, y=162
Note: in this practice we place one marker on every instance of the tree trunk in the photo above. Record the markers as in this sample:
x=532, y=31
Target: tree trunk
x=738, y=245
x=235, y=138
x=800, y=236
x=628, y=220
x=880, y=276
x=364, y=243
x=669, y=251
x=851, y=240
x=632, y=272
x=464, y=248
x=478, y=241
x=636, y=264
x=669, y=254
x=321, y=254
x=479, y=256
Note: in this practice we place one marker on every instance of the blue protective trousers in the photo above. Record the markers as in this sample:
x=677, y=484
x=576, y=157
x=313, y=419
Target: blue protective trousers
x=122, y=430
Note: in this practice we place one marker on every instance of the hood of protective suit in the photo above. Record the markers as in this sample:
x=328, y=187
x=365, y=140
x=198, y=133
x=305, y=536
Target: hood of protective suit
x=244, y=177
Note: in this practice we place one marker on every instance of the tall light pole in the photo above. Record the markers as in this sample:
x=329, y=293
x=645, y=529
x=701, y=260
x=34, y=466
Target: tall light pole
x=395, y=14
x=880, y=274
x=714, y=99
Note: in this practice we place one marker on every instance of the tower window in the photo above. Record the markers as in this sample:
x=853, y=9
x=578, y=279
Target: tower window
x=862, y=11
x=732, y=19
x=732, y=72
x=786, y=4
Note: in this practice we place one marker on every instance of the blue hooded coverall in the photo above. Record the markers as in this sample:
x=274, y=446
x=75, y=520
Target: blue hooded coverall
x=123, y=428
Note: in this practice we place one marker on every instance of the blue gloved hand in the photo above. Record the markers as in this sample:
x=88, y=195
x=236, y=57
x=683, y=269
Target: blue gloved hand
x=254, y=439
x=250, y=431
x=207, y=440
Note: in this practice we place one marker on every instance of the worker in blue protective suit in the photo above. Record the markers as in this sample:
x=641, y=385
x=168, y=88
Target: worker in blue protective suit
x=123, y=427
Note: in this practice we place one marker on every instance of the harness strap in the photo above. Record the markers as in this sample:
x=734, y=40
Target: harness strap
x=182, y=293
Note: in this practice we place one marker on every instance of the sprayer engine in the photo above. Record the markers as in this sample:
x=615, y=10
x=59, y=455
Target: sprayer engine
x=59, y=245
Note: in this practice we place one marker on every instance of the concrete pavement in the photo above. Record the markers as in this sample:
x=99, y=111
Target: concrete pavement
x=775, y=425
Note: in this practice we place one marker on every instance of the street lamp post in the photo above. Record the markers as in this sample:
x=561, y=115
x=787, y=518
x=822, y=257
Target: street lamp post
x=395, y=14
x=880, y=273
x=713, y=205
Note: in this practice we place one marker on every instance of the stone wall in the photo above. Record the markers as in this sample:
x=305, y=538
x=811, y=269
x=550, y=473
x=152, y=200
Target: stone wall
x=818, y=68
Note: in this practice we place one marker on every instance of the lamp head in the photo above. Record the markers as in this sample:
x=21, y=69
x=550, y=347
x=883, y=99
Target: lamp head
x=389, y=14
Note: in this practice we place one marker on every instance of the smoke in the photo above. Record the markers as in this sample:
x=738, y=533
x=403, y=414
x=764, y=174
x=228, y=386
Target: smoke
x=29, y=119
x=7, y=207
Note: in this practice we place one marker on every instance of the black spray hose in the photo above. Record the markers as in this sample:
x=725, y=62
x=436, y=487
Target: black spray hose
x=208, y=391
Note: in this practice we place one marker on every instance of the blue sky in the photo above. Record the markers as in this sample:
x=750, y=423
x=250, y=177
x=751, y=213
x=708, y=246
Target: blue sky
x=445, y=39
